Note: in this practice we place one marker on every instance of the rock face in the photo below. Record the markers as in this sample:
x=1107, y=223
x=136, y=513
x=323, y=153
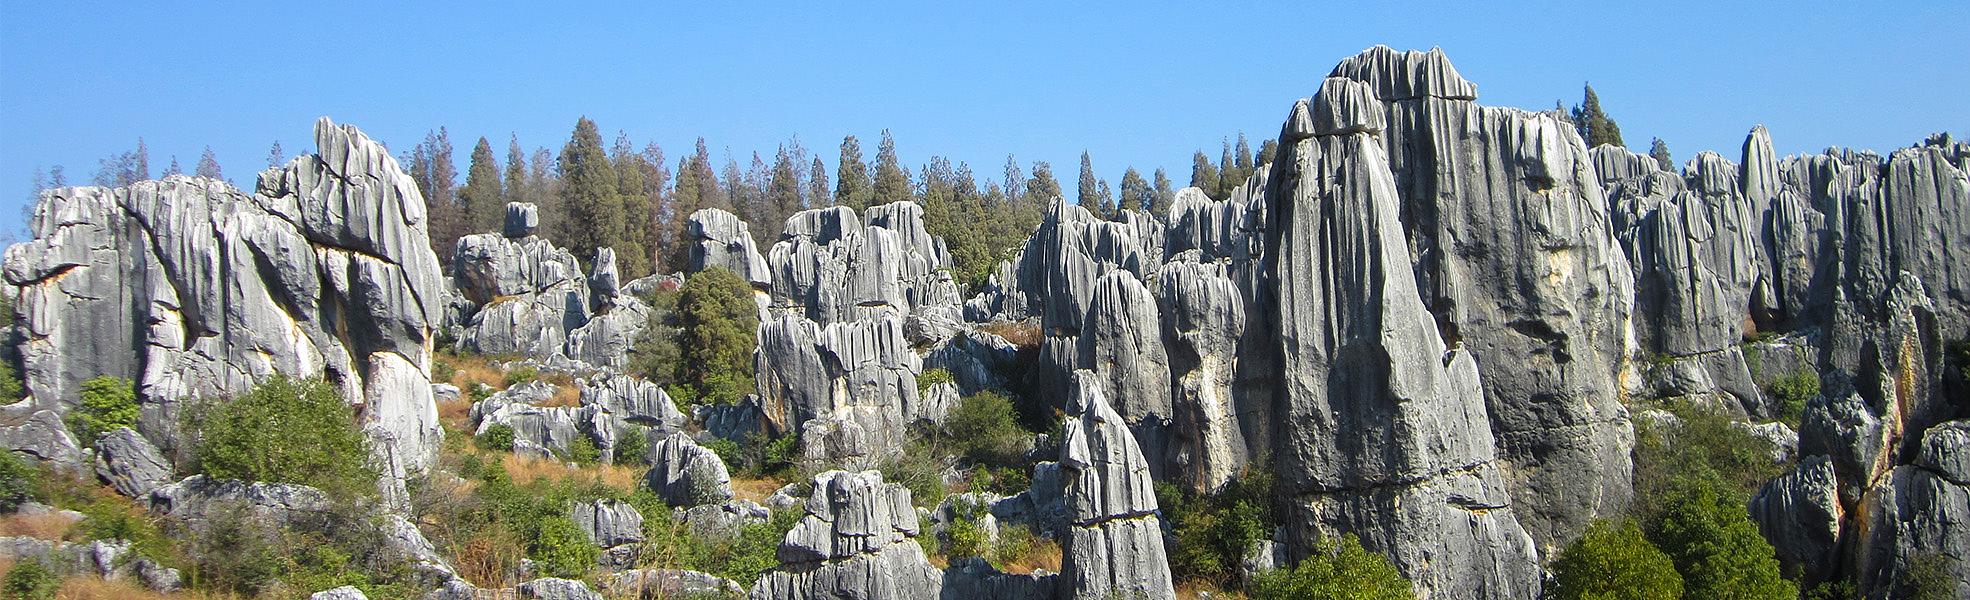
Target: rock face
x=720, y=239
x=856, y=379
x=1514, y=256
x=1114, y=542
x=1385, y=429
x=1920, y=512
x=856, y=541
x=520, y=294
x=609, y=523
x=1800, y=514
x=130, y=463
x=194, y=289
x=686, y=474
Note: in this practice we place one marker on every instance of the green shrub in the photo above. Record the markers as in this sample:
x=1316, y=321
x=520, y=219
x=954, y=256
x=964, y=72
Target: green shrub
x=919, y=469
x=1214, y=532
x=984, y=430
x=718, y=319
x=30, y=580
x=583, y=451
x=11, y=387
x=754, y=550
x=1334, y=572
x=1793, y=392
x=1704, y=528
x=1929, y=577
x=1612, y=561
x=19, y=482
x=727, y=450
x=931, y=377
x=107, y=403
x=655, y=354
x=1704, y=440
x=758, y=455
x=963, y=537
x=480, y=392
x=561, y=549
x=631, y=443
x=522, y=374
x=118, y=519
x=442, y=371
x=498, y=436
x=286, y=431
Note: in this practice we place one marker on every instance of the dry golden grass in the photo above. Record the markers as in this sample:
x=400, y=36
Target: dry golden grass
x=46, y=526
x=1043, y=554
x=565, y=395
x=90, y=588
x=471, y=370
x=1023, y=335
x=456, y=413
x=525, y=470
x=489, y=558
x=756, y=490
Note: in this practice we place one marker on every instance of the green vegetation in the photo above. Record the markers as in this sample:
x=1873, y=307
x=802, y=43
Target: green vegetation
x=742, y=558
x=655, y=354
x=932, y=377
x=984, y=429
x=1214, y=532
x=561, y=549
x=631, y=443
x=1704, y=441
x=107, y=403
x=113, y=518
x=1343, y=571
x=498, y=436
x=1595, y=127
x=522, y=374
x=758, y=455
x=1793, y=392
x=286, y=431
x=235, y=551
x=1612, y=561
x=1703, y=527
x=1928, y=578
x=19, y=482
x=30, y=580
x=583, y=451
x=698, y=341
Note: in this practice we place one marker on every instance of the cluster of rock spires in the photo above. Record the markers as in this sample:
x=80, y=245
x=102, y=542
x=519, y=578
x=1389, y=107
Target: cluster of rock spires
x=1423, y=318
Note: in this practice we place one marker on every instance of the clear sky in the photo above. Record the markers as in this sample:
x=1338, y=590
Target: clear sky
x=1133, y=83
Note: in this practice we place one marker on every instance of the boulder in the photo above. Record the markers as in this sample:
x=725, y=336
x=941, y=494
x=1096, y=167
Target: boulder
x=130, y=463
x=721, y=239
x=857, y=540
x=551, y=588
x=347, y=592
x=686, y=474
x=1800, y=513
x=660, y=584
x=609, y=523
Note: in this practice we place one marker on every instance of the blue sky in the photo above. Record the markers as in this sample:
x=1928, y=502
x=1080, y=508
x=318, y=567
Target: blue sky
x=1141, y=85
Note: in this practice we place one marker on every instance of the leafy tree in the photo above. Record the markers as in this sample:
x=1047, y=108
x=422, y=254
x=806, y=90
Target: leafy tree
x=484, y=203
x=1204, y=175
x=1595, y=127
x=984, y=429
x=1659, y=150
x=892, y=180
x=1165, y=194
x=1267, y=150
x=853, y=188
x=286, y=431
x=1088, y=197
x=719, y=317
x=124, y=169
x=1704, y=528
x=1612, y=561
x=19, y=482
x=1343, y=571
x=208, y=165
x=1136, y=194
x=107, y=404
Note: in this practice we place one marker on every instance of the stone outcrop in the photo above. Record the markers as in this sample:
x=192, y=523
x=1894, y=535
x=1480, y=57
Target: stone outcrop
x=686, y=474
x=720, y=239
x=855, y=378
x=194, y=289
x=130, y=463
x=520, y=294
x=1385, y=432
x=1800, y=513
x=1114, y=541
x=830, y=268
x=609, y=523
x=659, y=584
x=1920, y=512
x=856, y=541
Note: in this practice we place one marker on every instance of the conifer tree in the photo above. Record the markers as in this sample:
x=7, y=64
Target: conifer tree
x=1243, y=158
x=276, y=156
x=1595, y=126
x=892, y=180
x=208, y=165
x=544, y=187
x=818, y=193
x=1203, y=175
x=591, y=203
x=1105, y=201
x=1042, y=188
x=143, y=161
x=515, y=184
x=173, y=168
x=1267, y=150
x=1086, y=194
x=632, y=187
x=853, y=187
x=782, y=192
x=481, y=198
x=1136, y=194
x=658, y=206
x=710, y=193
x=1165, y=194
x=1014, y=186
x=1659, y=150
x=1229, y=175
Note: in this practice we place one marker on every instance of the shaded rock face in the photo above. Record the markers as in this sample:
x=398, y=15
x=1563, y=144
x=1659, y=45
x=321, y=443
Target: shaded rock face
x=194, y=289
x=856, y=541
x=1385, y=432
x=854, y=375
x=1114, y=541
x=830, y=268
x=130, y=463
x=1920, y=512
x=519, y=294
x=1800, y=514
x=1513, y=254
x=686, y=474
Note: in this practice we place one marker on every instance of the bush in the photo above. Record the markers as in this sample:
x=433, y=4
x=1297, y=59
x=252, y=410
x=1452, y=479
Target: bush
x=1612, y=561
x=498, y=436
x=11, y=387
x=932, y=377
x=1334, y=572
x=919, y=469
x=112, y=518
x=19, y=482
x=107, y=403
x=522, y=374
x=753, y=551
x=1929, y=577
x=963, y=537
x=582, y=451
x=1214, y=532
x=561, y=549
x=1704, y=528
x=30, y=580
x=286, y=431
x=655, y=354
x=984, y=430
x=631, y=443
x=758, y=455
x=1706, y=441
x=1793, y=392
x=718, y=319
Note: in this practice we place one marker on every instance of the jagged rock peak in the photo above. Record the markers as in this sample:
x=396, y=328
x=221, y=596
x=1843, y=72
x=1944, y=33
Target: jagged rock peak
x=856, y=541
x=522, y=219
x=1114, y=537
x=1407, y=75
x=1345, y=106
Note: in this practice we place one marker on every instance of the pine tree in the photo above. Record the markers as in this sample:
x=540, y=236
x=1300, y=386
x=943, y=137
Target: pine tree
x=1042, y=189
x=173, y=169
x=208, y=165
x=1267, y=150
x=544, y=188
x=633, y=200
x=516, y=174
x=1165, y=194
x=710, y=193
x=1229, y=176
x=853, y=188
x=818, y=194
x=1085, y=191
x=481, y=198
x=1014, y=186
x=1105, y=200
x=143, y=161
x=124, y=168
x=591, y=204
x=1595, y=126
x=659, y=208
x=1203, y=175
x=276, y=156
x=1659, y=151
x=1243, y=156
x=1136, y=194
x=892, y=180
x=782, y=192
